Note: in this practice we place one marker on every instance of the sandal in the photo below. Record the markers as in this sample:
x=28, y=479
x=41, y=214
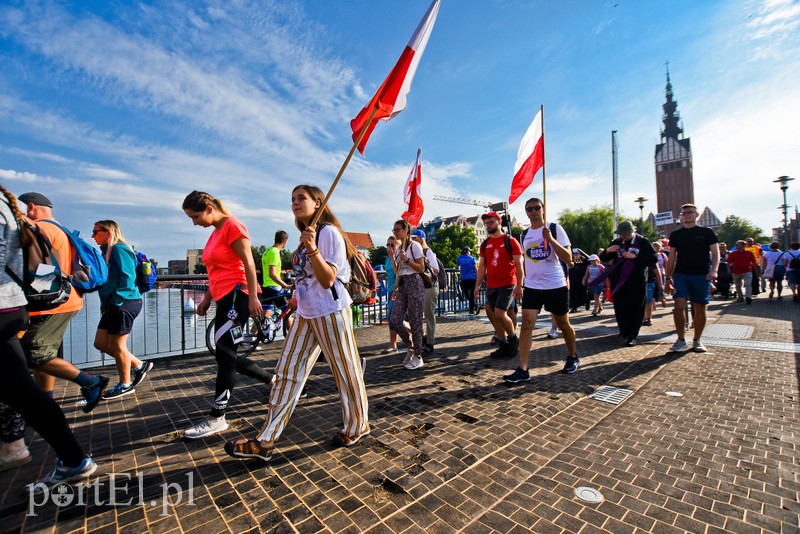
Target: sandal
x=340, y=440
x=248, y=448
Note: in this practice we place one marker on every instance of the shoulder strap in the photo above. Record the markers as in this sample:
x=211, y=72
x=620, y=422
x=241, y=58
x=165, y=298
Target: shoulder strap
x=554, y=230
x=508, y=246
x=522, y=237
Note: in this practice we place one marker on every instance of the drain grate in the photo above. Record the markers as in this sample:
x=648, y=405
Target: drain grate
x=611, y=394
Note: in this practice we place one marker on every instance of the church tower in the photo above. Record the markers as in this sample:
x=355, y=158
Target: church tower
x=673, y=160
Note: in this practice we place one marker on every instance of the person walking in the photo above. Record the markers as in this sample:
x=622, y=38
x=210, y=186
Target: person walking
x=773, y=268
x=792, y=263
x=324, y=324
x=43, y=341
x=120, y=304
x=630, y=256
x=594, y=270
x=409, y=295
x=17, y=388
x=692, y=265
x=545, y=284
x=742, y=263
x=233, y=287
x=501, y=265
x=431, y=293
x=390, y=267
x=467, y=267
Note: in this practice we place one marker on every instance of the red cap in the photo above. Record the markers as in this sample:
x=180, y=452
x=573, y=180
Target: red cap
x=490, y=214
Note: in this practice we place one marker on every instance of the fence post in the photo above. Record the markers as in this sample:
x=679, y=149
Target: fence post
x=183, y=322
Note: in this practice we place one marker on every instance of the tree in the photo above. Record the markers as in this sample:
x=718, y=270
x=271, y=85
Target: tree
x=286, y=259
x=645, y=229
x=735, y=228
x=199, y=267
x=449, y=241
x=378, y=255
x=589, y=229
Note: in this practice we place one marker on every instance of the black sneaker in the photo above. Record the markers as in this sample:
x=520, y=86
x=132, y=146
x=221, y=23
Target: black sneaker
x=139, y=375
x=571, y=365
x=93, y=394
x=502, y=351
x=518, y=376
x=748, y=300
x=513, y=346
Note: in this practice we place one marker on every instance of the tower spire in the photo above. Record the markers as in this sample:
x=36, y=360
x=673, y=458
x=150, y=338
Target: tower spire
x=671, y=116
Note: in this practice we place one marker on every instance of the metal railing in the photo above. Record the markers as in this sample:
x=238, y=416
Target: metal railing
x=167, y=328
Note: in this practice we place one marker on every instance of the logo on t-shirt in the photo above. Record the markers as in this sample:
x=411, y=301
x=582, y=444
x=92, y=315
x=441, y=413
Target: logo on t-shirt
x=537, y=252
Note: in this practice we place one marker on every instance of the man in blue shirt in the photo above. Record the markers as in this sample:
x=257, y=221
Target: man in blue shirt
x=466, y=266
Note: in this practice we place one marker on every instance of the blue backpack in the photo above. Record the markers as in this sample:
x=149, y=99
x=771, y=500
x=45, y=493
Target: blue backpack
x=145, y=274
x=89, y=269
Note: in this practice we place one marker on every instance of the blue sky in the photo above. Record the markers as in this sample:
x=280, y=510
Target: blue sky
x=118, y=109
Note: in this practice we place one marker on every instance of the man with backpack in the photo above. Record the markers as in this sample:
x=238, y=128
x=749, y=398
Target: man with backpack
x=792, y=263
x=544, y=247
x=43, y=341
x=501, y=264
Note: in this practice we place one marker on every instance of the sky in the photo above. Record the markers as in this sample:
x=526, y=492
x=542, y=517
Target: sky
x=119, y=109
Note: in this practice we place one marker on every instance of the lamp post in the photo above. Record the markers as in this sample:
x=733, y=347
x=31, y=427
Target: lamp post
x=641, y=201
x=784, y=181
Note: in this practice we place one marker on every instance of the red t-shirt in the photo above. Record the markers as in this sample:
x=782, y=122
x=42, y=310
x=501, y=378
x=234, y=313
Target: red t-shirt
x=500, y=268
x=741, y=261
x=225, y=268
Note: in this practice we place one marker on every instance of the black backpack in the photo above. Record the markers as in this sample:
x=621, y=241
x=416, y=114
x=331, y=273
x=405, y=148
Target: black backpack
x=794, y=263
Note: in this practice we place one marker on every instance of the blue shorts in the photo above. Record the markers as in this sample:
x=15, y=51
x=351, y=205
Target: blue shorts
x=651, y=292
x=695, y=287
x=598, y=289
x=793, y=277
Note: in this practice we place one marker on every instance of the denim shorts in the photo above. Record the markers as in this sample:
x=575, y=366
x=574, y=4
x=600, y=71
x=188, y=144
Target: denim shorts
x=118, y=320
x=651, y=292
x=695, y=287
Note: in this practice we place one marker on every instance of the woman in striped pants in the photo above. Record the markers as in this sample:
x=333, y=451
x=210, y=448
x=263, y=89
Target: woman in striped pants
x=324, y=324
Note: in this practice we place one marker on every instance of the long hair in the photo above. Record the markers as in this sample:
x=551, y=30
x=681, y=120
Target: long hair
x=25, y=236
x=326, y=217
x=114, y=235
x=199, y=200
x=407, y=238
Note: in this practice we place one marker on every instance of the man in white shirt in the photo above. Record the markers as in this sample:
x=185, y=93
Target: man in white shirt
x=544, y=247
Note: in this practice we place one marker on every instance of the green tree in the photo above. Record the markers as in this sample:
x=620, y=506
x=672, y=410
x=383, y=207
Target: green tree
x=735, y=228
x=449, y=241
x=516, y=231
x=286, y=259
x=378, y=255
x=646, y=229
x=200, y=267
x=589, y=229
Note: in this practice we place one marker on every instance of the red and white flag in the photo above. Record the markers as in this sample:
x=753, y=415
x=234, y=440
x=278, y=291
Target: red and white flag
x=391, y=97
x=530, y=157
x=412, y=193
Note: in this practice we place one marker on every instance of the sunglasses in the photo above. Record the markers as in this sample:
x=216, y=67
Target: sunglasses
x=390, y=245
x=95, y=232
x=533, y=208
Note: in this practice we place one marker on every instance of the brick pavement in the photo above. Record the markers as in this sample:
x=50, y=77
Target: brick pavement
x=455, y=449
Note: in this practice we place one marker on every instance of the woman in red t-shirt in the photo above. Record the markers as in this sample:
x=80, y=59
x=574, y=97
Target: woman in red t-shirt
x=233, y=286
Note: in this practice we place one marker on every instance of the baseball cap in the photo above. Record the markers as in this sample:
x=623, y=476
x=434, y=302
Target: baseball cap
x=465, y=250
x=593, y=257
x=418, y=233
x=490, y=214
x=37, y=199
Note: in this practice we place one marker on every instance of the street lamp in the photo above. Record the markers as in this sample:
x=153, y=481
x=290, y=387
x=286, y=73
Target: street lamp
x=641, y=201
x=784, y=181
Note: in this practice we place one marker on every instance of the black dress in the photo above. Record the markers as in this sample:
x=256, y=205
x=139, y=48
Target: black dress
x=578, y=295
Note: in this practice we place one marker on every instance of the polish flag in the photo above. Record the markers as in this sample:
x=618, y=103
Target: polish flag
x=530, y=157
x=412, y=193
x=391, y=97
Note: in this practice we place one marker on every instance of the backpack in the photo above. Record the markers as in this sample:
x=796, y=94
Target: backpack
x=363, y=282
x=145, y=274
x=794, y=263
x=89, y=269
x=43, y=283
x=442, y=275
x=507, y=243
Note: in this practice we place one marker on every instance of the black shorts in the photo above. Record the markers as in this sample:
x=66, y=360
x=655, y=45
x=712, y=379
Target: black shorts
x=118, y=320
x=555, y=301
x=500, y=297
x=274, y=295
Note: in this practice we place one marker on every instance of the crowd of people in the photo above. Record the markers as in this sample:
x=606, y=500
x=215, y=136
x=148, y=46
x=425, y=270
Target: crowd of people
x=540, y=269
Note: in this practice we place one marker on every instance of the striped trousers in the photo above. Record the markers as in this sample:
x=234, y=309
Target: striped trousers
x=333, y=336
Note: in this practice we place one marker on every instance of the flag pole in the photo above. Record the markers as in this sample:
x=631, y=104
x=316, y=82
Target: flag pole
x=544, y=169
x=317, y=215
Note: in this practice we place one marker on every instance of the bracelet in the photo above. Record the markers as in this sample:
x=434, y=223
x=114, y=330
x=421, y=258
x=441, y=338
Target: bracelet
x=313, y=253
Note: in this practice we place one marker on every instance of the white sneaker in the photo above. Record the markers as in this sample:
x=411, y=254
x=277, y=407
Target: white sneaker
x=680, y=346
x=207, y=427
x=414, y=363
x=553, y=333
x=407, y=358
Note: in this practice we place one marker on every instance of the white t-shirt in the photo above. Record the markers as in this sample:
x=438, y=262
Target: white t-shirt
x=313, y=300
x=771, y=257
x=431, y=255
x=542, y=266
x=413, y=252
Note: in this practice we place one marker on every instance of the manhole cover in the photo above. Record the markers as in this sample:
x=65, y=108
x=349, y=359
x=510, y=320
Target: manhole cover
x=611, y=394
x=589, y=494
x=674, y=394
